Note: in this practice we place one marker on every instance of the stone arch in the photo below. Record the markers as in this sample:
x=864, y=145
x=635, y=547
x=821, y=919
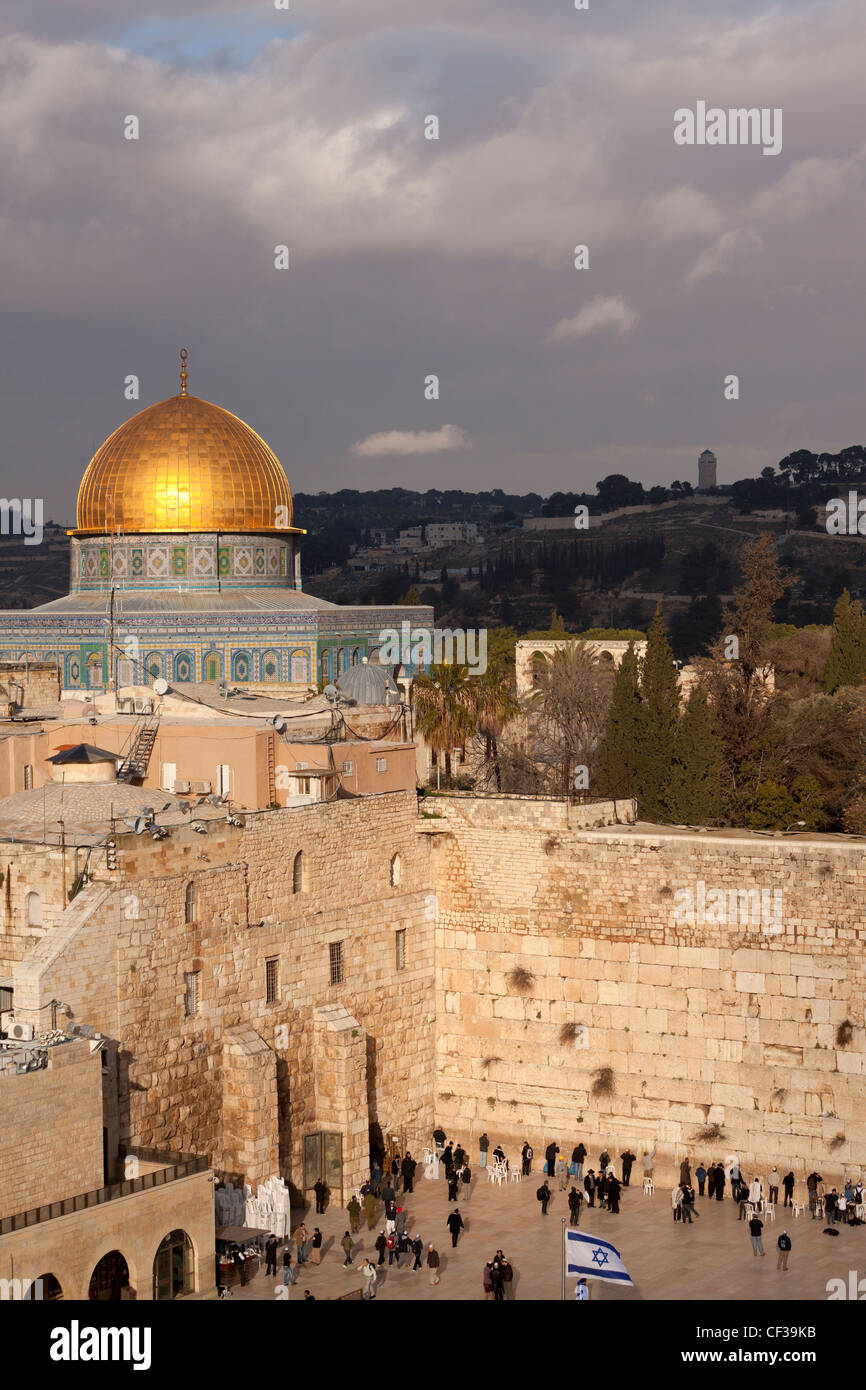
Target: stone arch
x=110, y=1274
x=33, y=906
x=356, y=655
x=71, y=670
x=174, y=1266
x=539, y=665
x=396, y=872
x=342, y=661
x=46, y=1289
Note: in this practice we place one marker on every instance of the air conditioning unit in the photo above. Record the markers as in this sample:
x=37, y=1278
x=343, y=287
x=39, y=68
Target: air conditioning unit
x=201, y=788
x=180, y=787
x=143, y=705
x=6, y=1021
x=126, y=704
x=21, y=1032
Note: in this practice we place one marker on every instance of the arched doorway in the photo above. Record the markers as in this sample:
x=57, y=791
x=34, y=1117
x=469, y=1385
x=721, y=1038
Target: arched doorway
x=173, y=1267
x=109, y=1278
x=45, y=1289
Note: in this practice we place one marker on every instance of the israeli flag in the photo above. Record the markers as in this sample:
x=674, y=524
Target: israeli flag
x=589, y=1258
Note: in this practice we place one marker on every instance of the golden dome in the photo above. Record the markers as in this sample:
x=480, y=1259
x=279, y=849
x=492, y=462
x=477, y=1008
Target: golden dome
x=183, y=465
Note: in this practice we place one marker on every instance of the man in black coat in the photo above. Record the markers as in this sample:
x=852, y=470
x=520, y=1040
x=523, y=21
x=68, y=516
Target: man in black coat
x=543, y=1195
x=613, y=1191
x=455, y=1226
x=589, y=1187
x=628, y=1159
x=381, y=1245
x=788, y=1184
x=550, y=1156
x=526, y=1159
x=720, y=1182
x=321, y=1192
x=408, y=1167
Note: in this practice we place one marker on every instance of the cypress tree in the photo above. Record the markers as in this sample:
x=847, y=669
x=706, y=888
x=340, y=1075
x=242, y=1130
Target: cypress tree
x=846, y=664
x=618, y=749
x=694, y=794
x=659, y=716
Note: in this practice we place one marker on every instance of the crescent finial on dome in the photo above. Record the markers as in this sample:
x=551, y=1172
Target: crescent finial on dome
x=183, y=356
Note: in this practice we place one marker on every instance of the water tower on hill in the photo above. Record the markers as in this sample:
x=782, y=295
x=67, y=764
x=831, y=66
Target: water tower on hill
x=706, y=471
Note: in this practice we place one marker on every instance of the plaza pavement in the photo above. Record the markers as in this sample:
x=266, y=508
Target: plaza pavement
x=709, y=1260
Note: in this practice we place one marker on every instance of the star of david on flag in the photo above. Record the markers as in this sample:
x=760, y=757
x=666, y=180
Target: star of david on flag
x=587, y=1257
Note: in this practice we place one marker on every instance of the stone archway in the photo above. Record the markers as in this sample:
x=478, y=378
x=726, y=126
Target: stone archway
x=110, y=1280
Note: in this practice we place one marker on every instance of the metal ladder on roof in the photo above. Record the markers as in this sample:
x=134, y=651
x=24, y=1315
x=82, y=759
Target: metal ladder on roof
x=136, y=761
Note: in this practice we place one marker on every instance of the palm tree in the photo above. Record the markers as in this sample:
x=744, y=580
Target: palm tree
x=443, y=713
x=493, y=704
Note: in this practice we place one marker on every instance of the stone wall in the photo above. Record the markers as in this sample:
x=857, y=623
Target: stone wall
x=179, y=1090
x=51, y=1129
x=26, y=869
x=29, y=684
x=733, y=1024
x=70, y=1247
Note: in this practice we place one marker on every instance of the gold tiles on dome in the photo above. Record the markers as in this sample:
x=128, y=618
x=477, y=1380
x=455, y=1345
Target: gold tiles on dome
x=183, y=465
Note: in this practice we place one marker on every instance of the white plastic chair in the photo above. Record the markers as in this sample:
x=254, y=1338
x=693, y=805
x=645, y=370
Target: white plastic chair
x=648, y=1187
x=798, y=1209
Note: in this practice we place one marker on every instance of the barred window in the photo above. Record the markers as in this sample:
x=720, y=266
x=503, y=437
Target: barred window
x=396, y=870
x=335, y=954
x=272, y=979
x=191, y=903
x=381, y=765
x=400, y=949
x=299, y=873
x=190, y=993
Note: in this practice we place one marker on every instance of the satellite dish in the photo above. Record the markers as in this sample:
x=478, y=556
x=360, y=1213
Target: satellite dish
x=330, y=693
x=139, y=825
x=160, y=685
x=216, y=800
x=147, y=810
x=278, y=723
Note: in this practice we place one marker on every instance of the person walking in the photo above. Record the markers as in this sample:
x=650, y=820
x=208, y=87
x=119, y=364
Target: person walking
x=676, y=1201
x=399, y=1222
x=784, y=1246
x=466, y=1181
x=701, y=1175
x=403, y=1248
x=483, y=1146
x=455, y=1226
x=773, y=1181
x=433, y=1264
x=301, y=1243
x=346, y=1243
x=526, y=1159
x=317, y=1246
x=389, y=1196
x=353, y=1207
x=271, y=1255
x=370, y=1208
x=448, y=1159
x=627, y=1159
x=368, y=1274
x=497, y=1282
x=391, y=1243
x=417, y=1250
x=756, y=1226
x=686, y=1204
x=321, y=1192
x=543, y=1195
x=288, y=1272
x=589, y=1185
x=574, y=1200
x=381, y=1244
x=408, y=1170
x=453, y=1180
x=788, y=1184
x=562, y=1171
x=577, y=1157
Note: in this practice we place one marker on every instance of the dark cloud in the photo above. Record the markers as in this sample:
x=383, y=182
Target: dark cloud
x=452, y=257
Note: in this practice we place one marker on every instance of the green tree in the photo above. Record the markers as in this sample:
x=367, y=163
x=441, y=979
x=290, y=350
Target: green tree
x=659, y=713
x=694, y=794
x=846, y=664
x=411, y=598
x=443, y=711
x=493, y=704
x=618, y=750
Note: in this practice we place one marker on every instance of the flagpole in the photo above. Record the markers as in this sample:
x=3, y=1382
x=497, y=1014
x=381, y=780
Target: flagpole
x=563, y=1290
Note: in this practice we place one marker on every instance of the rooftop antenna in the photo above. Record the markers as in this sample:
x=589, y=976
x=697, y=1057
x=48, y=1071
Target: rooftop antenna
x=183, y=356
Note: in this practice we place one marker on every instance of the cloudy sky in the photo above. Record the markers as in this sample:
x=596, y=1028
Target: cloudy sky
x=305, y=127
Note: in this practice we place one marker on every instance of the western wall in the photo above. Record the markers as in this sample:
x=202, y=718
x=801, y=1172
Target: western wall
x=748, y=1032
